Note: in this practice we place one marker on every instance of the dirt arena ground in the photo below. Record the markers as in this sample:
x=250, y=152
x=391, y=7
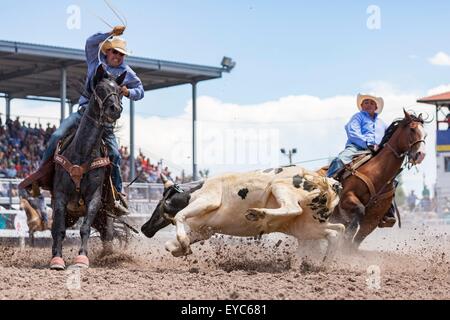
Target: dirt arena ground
x=412, y=263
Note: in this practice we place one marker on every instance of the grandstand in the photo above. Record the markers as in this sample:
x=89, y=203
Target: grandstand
x=47, y=73
x=55, y=74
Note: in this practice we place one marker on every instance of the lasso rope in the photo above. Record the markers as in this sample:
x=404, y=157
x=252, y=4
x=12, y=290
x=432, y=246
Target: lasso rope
x=119, y=15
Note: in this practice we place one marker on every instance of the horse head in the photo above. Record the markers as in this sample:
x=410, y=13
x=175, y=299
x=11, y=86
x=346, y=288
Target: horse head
x=406, y=137
x=107, y=95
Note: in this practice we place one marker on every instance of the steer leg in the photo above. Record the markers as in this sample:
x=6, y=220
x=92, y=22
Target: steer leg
x=200, y=206
x=333, y=234
x=175, y=248
x=286, y=198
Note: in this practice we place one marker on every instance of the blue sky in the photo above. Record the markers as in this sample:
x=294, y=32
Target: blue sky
x=282, y=48
x=322, y=49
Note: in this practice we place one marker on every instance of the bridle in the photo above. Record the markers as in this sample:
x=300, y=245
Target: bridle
x=408, y=152
x=101, y=102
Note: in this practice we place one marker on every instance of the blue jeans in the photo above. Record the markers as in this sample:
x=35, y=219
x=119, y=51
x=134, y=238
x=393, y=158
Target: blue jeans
x=67, y=124
x=345, y=157
x=108, y=137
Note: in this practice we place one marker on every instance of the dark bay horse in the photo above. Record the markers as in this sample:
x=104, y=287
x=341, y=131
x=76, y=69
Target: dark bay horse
x=367, y=194
x=80, y=171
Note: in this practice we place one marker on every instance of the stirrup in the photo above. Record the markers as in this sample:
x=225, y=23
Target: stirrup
x=120, y=210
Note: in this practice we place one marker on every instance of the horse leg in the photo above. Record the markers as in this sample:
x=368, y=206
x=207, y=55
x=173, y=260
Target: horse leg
x=58, y=231
x=93, y=205
x=32, y=239
x=107, y=236
x=353, y=207
x=369, y=224
x=105, y=226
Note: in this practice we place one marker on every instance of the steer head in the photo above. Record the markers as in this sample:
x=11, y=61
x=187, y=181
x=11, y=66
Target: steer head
x=174, y=199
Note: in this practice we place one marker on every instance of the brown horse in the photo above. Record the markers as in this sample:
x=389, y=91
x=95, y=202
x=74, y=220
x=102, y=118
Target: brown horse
x=34, y=219
x=368, y=192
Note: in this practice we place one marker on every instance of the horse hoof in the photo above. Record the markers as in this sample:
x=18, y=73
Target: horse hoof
x=57, y=263
x=81, y=262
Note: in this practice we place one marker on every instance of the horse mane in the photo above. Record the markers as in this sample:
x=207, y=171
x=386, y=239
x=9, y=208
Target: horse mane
x=395, y=125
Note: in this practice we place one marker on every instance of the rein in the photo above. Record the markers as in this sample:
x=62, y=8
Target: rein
x=380, y=195
x=101, y=102
x=76, y=172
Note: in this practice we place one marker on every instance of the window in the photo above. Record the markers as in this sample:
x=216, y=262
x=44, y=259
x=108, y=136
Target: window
x=447, y=164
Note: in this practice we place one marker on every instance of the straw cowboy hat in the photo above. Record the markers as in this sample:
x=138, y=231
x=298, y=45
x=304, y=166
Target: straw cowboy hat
x=116, y=43
x=378, y=100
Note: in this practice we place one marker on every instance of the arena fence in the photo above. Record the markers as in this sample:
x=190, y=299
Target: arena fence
x=142, y=200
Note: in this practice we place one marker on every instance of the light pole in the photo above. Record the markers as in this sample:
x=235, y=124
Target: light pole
x=289, y=154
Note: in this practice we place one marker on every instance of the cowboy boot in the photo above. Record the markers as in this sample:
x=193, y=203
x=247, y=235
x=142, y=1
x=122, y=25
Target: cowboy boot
x=123, y=199
x=121, y=205
x=119, y=209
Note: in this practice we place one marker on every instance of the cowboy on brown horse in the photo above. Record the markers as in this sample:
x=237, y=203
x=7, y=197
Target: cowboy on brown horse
x=365, y=130
x=369, y=181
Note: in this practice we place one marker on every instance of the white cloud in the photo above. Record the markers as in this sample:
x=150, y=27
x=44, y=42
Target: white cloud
x=440, y=89
x=440, y=59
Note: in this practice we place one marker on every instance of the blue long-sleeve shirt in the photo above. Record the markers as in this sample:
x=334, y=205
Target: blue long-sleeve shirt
x=363, y=130
x=132, y=82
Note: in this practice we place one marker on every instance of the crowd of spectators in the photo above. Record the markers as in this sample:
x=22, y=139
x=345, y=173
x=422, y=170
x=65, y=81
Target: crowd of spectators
x=146, y=171
x=22, y=147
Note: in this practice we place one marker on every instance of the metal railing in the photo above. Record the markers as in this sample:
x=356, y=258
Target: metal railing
x=142, y=200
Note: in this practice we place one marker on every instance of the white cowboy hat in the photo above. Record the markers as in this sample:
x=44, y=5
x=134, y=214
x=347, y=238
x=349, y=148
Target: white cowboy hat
x=116, y=43
x=378, y=100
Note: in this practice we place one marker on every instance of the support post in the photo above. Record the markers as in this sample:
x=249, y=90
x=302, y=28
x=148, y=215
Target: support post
x=63, y=93
x=132, y=160
x=194, y=131
x=8, y=108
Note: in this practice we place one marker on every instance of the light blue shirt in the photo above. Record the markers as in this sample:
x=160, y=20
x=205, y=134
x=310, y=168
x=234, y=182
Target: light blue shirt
x=363, y=130
x=132, y=82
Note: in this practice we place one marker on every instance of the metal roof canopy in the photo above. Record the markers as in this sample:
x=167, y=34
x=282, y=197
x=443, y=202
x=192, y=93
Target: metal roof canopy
x=35, y=70
x=48, y=73
x=437, y=100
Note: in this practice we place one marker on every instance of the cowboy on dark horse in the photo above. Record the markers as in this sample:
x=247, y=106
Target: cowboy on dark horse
x=113, y=52
x=365, y=131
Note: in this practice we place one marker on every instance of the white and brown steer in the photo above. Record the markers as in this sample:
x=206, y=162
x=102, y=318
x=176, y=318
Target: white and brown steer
x=289, y=200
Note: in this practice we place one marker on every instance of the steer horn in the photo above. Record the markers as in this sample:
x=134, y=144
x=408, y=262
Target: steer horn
x=167, y=182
